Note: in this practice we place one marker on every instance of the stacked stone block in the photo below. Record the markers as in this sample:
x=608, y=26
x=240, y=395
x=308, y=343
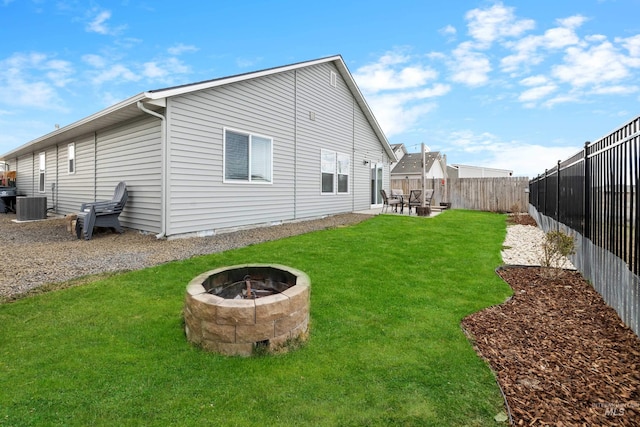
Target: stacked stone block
x=234, y=327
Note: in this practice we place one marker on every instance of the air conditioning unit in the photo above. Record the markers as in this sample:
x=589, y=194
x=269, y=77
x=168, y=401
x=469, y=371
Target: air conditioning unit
x=31, y=208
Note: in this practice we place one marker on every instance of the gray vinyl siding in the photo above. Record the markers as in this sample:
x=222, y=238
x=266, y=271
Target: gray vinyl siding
x=200, y=200
x=25, y=175
x=277, y=106
x=367, y=149
x=50, y=175
x=131, y=152
x=331, y=130
x=76, y=188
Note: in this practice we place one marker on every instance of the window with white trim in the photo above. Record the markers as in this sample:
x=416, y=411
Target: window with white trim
x=334, y=168
x=43, y=165
x=247, y=157
x=71, y=158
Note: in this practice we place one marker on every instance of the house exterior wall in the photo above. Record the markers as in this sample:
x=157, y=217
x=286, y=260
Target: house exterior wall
x=24, y=166
x=131, y=152
x=127, y=152
x=199, y=199
x=465, y=171
x=78, y=187
x=303, y=114
x=302, y=110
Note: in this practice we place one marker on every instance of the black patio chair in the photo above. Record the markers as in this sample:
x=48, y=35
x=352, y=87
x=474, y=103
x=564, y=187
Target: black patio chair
x=415, y=199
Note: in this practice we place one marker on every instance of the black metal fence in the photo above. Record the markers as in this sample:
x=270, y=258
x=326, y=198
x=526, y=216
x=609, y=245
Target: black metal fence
x=595, y=194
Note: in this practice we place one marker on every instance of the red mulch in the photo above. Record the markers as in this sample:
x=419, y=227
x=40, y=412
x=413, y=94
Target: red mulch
x=561, y=355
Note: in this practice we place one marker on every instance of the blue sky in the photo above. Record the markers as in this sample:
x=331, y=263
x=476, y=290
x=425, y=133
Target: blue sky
x=508, y=84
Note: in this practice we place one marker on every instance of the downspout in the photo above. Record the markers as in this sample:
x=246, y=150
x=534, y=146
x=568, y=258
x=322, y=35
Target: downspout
x=295, y=144
x=163, y=169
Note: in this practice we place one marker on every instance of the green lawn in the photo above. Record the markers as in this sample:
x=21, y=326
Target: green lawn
x=385, y=347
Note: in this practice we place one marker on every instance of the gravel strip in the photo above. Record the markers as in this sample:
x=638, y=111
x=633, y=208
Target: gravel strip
x=523, y=246
x=42, y=252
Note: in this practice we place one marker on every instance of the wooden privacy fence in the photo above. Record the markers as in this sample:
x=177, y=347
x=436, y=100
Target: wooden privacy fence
x=482, y=194
x=490, y=194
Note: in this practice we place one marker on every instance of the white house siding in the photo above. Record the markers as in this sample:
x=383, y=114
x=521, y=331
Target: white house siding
x=199, y=199
x=79, y=187
x=131, y=152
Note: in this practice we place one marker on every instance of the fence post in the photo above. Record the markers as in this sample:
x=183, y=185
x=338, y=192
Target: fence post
x=544, y=199
x=558, y=215
x=586, y=232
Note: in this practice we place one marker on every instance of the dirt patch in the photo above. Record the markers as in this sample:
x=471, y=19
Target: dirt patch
x=561, y=355
x=521, y=219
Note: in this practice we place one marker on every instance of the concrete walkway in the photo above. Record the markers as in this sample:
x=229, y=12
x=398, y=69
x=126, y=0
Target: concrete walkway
x=378, y=211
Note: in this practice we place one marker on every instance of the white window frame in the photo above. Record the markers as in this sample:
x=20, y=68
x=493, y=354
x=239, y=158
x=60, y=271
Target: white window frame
x=71, y=158
x=43, y=170
x=251, y=136
x=337, y=164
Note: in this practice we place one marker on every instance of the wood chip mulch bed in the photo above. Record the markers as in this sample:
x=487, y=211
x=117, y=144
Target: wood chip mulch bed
x=561, y=355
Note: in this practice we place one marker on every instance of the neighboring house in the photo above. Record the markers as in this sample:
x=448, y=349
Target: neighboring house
x=465, y=171
x=399, y=150
x=283, y=144
x=410, y=166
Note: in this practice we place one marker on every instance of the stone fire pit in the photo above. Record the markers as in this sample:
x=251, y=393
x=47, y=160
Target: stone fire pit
x=238, y=309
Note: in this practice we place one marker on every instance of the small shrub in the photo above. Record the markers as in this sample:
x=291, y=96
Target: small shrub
x=556, y=247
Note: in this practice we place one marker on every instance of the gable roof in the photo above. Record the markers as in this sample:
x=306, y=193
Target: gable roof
x=156, y=99
x=412, y=163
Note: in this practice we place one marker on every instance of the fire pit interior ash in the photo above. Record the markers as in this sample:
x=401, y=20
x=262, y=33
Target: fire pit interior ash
x=249, y=288
x=236, y=310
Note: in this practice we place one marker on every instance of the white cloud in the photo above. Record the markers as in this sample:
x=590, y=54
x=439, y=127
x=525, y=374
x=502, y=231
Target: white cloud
x=449, y=32
x=248, y=62
x=98, y=24
x=115, y=72
x=540, y=86
x=632, y=44
x=31, y=79
x=531, y=50
x=495, y=23
x=614, y=90
x=534, y=80
x=164, y=71
x=469, y=67
x=383, y=76
x=180, y=48
x=395, y=115
x=537, y=93
x=564, y=98
x=400, y=90
x=95, y=61
x=594, y=65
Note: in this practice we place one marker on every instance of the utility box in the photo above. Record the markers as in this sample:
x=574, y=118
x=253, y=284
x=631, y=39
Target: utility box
x=31, y=208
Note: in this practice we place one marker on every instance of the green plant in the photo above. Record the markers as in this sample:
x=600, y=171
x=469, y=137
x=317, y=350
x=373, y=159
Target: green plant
x=556, y=247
